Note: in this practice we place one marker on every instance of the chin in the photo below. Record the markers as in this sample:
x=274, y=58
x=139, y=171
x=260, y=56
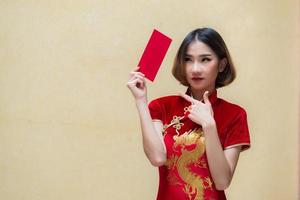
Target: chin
x=198, y=87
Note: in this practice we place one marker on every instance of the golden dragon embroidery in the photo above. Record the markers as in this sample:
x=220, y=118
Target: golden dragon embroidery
x=194, y=185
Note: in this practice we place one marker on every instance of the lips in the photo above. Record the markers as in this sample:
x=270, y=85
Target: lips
x=197, y=78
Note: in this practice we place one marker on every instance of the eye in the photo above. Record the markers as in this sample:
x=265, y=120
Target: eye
x=187, y=59
x=206, y=59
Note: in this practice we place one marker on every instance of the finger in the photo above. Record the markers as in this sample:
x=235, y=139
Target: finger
x=139, y=76
x=206, y=98
x=136, y=75
x=191, y=117
x=131, y=78
x=188, y=98
x=131, y=84
x=137, y=69
x=135, y=72
x=212, y=112
x=139, y=83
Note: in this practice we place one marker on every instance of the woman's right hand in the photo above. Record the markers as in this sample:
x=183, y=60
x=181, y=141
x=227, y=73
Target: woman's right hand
x=137, y=85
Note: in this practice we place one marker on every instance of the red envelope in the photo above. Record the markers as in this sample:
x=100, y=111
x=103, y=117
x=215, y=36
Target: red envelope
x=154, y=54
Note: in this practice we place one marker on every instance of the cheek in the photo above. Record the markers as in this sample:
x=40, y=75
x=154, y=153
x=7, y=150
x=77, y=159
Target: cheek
x=213, y=71
x=187, y=69
x=214, y=67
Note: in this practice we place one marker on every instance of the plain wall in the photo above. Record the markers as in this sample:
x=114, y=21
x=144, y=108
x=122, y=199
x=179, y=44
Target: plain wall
x=69, y=127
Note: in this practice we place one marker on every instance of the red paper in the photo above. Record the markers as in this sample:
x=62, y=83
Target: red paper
x=154, y=54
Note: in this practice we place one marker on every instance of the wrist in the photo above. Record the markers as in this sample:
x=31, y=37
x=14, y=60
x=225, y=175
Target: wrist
x=209, y=125
x=141, y=102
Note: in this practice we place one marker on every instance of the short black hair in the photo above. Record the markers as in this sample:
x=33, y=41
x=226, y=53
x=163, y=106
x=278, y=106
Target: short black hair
x=214, y=40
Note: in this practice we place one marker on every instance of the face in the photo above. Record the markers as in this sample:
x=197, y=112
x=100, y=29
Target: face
x=202, y=67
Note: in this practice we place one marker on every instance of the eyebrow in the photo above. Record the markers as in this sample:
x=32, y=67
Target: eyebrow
x=201, y=55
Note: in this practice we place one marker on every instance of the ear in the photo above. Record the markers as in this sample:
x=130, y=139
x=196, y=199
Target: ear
x=222, y=64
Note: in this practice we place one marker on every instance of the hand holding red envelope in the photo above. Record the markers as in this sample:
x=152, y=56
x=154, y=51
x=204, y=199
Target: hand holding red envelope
x=154, y=54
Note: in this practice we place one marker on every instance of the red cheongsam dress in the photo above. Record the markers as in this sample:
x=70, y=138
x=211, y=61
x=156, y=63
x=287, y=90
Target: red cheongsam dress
x=186, y=175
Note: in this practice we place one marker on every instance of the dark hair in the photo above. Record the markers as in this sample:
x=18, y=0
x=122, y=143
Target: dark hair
x=213, y=39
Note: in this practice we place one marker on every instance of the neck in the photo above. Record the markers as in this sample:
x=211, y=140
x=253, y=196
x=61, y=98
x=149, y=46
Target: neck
x=198, y=94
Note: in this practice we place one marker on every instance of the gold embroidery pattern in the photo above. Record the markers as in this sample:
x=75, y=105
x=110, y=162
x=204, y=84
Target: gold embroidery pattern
x=187, y=109
x=173, y=180
x=175, y=123
x=201, y=164
x=193, y=184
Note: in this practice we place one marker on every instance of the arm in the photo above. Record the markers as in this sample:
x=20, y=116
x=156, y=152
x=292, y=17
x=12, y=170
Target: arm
x=153, y=143
x=222, y=164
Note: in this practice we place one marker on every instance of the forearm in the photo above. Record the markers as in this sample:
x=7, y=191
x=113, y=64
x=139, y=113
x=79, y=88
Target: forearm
x=153, y=144
x=218, y=165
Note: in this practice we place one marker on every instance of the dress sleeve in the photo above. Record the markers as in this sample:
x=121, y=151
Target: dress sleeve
x=238, y=132
x=156, y=110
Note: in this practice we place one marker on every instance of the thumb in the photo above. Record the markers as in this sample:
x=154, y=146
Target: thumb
x=205, y=97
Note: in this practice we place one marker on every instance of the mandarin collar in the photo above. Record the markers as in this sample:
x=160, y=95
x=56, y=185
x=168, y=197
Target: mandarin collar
x=212, y=96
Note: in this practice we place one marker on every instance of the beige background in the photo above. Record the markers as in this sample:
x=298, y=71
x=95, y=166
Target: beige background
x=69, y=127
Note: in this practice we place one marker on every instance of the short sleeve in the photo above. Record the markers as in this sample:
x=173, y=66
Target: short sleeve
x=238, y=132
x=156, y=111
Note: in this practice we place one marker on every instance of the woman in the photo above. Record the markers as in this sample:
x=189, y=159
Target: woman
x=194, y=138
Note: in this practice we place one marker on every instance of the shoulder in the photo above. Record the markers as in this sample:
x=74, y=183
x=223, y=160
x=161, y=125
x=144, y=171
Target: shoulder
x=231, y=108
x=167, y=102
x=166, y=99
x=165, y=106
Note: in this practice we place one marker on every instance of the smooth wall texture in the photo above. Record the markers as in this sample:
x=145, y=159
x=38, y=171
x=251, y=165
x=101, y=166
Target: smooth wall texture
x=68, y=124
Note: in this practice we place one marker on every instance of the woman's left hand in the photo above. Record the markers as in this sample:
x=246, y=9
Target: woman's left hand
x=200, y=113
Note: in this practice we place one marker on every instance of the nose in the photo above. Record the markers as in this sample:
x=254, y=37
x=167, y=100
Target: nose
x=197, y=68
